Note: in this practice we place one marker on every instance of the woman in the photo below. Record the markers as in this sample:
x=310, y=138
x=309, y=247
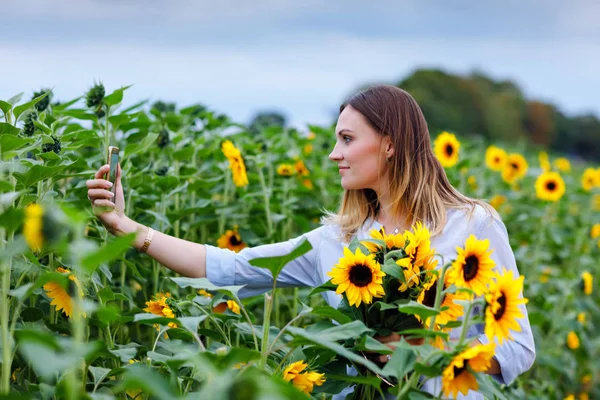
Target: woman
x=391, y=180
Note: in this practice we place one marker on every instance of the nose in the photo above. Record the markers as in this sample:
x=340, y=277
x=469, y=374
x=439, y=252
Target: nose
x=335, y=155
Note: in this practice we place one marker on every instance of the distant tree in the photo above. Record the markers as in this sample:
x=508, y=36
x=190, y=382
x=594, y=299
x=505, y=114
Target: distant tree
x=267, y=119
x=539, y=123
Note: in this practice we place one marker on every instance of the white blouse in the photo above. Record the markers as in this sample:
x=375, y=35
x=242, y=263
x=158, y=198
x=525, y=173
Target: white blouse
x=225, y=267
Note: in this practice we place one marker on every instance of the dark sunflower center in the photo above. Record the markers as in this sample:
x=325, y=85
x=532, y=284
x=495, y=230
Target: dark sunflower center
x=458, y=371
x=72, y=288
x=497, y=159
x=498, y=314
x=449, y=149
x=235, y=240
x=514, y=165
x=471, y=267
x=551, y=186
x=429, y=299
x=361, y=275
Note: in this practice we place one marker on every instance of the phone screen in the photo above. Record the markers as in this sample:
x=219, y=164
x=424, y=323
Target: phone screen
x=114, y=161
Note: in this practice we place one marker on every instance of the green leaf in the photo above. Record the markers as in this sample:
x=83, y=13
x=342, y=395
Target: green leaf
x=99, y=373
x=489, y=388
x=190, y=324
x=79, y=114
x=342, y=332
x=325, y=287
x=392, y=269
x=203, y=283
x=106, y=294
x=6, y=199
x=31, y=314
x=107, y=253
x=415, y=308
x=401, y=363
x=276, y=264
x=330, y=312
x=125, y=353
x=160, y=218
x=38, y=173
x=141, y=147
x=312, y=338
x=16, y=98
x=149, y=381
x=5, y=106
x=115, y=97
x=8, y=129
x=69, y=103
x=18, y=110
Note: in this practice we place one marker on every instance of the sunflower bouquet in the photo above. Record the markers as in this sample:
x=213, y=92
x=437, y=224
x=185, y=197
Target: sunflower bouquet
x=391, y=283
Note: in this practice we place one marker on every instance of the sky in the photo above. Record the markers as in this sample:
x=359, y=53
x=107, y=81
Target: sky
x=300, y=58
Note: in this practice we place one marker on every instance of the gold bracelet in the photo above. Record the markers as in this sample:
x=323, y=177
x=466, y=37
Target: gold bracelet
x=147, y=241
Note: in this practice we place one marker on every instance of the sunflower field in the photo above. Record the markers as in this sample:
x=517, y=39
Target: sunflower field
x=84, y=315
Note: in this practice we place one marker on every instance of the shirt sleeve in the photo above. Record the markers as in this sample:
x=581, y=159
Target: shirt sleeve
x=514, y=356
x=225, y=267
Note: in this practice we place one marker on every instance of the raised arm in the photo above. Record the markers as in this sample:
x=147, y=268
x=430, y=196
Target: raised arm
x=184, y=257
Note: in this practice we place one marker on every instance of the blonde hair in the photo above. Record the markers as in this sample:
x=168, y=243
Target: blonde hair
x=417, y=181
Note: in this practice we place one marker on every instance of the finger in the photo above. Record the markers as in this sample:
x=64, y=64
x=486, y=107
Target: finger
x=394, y=337
x=100, y=194
x=118, y=172
x=98, y=184
x=382, y=359
x=102, y=171
x=104, y=203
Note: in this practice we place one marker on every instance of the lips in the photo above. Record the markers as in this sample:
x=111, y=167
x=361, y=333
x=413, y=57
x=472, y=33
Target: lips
x=341, y=168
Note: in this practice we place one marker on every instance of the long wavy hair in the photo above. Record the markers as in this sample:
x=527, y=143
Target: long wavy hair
x=417, y=181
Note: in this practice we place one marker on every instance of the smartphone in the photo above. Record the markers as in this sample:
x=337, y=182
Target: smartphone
x=113, y=161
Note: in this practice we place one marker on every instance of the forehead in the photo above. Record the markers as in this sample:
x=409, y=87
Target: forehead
x=351, y=119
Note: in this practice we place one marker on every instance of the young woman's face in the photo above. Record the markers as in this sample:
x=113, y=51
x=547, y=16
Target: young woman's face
x=359, y=151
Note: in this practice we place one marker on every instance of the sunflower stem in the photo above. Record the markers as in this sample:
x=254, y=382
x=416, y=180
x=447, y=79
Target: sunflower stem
x=267, y=205
x=465, y=326
x=267, y=325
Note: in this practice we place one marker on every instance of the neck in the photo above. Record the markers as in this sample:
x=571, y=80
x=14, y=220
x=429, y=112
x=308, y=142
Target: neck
x=386, y=217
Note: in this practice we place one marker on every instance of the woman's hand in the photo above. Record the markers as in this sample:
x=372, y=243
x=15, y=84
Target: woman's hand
x=394, y=337
x=109, y=208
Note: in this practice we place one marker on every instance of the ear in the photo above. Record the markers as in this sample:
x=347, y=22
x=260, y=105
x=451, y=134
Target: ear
x=389, y=147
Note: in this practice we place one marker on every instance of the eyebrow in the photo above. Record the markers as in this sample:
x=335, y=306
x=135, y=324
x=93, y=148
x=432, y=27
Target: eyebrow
x=342, y=131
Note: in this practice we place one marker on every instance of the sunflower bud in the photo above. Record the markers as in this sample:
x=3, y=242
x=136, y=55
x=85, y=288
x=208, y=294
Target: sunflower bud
x=95, y=96
x=45, y=102
x=163, y=138
x=55, y=147
x=162, y=108
x=29, y=126
x=162, y=171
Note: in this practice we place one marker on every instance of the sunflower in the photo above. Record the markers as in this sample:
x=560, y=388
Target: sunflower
x=285, y=169
x=581, y=317
x=549, y=186
x=307, y=183
x=497, y=201
x=456, y=377
x=595, y=231
x=236, y=163
x=515, y=168
x=32, y=228
x=159, y=305
x=308, y=149
x=446, y=148
x=589, y=179
x=204, y=293
x=301, y=169
x=562, y=164
x=573, y=340
x=450, y=311
x=231, y=240
x=228, y=305
x=502, y=306
x=61, y=298
x=418, y=254
x=311, y=135
x=596, y=202
x=392, y=242
x=303, y=381
x=472, y=181
x=495, y=158
x=359, y=276
x=544, y=161
x=473, y=266
x=588, y=282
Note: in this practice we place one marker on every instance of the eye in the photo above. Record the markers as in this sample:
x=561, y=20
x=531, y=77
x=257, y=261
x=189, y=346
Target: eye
x=346, y=138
